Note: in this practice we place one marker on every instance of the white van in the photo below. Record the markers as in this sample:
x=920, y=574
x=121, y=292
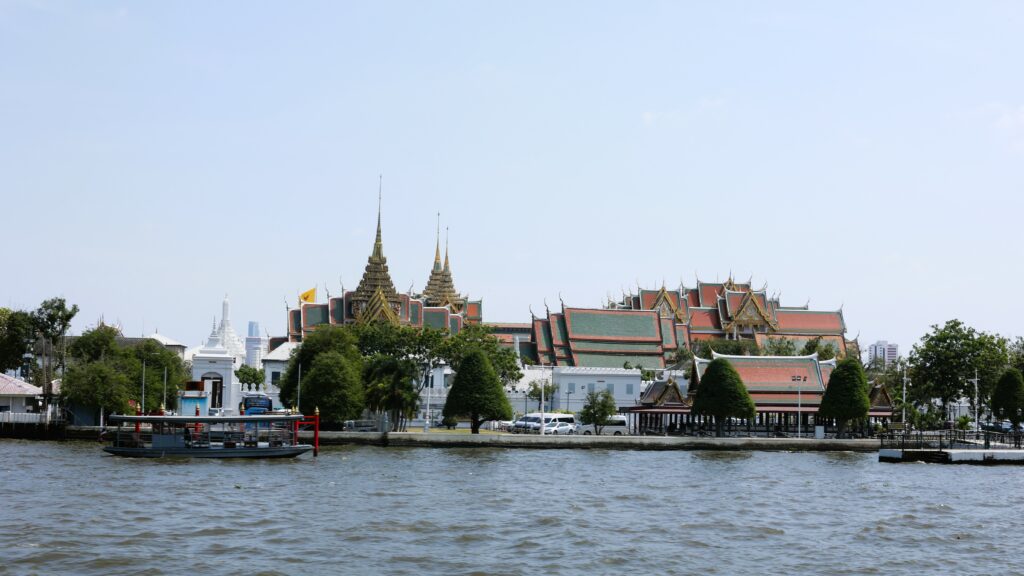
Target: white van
x=618, y=425
x=530, y=423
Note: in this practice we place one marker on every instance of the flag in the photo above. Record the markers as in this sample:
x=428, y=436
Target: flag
x=309, y=296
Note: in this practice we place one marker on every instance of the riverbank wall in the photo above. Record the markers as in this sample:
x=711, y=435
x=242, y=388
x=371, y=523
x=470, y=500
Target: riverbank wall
x=446, y=440
x=33, y=431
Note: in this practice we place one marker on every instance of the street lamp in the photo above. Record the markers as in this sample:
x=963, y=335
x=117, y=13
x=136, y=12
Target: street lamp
x=975, y=381
x=567, y=393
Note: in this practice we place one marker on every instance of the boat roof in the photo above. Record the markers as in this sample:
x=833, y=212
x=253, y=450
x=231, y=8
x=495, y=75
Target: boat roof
x=206, y=419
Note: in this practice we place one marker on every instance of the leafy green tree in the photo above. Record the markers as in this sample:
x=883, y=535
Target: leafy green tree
x=51, y=322
x=333, y=384
x=390, y=387
x=945, y=360
x=476, y=337
x=722, y=394
x=534, y=392
x=157, y=361
x=250, y=377
x=704, y=348
x=324, y=339
x=476, y=392
x=1016, y=351
x=95, y=345
x=681, y=356
x=780, y=347
x=597, y=409
x=99, y=385
x=15, y=338
x=825, y=350
x=846, y=397
x=1008, y=397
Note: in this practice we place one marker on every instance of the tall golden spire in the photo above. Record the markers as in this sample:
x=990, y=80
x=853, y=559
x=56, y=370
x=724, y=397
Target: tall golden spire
x=440, y=289
x=437, y=246
x=376, y=284
x=446, y=267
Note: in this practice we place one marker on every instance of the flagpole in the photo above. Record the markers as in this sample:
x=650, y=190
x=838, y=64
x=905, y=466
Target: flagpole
x=298, y=392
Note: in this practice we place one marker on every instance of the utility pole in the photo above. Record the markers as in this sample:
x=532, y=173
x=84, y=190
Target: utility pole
x=904, y=398
x=977, y=427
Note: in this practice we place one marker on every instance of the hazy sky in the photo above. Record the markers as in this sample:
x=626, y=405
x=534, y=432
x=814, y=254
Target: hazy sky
x=155, y=156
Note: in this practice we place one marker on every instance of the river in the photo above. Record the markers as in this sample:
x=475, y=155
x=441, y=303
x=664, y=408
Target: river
x=69, y=508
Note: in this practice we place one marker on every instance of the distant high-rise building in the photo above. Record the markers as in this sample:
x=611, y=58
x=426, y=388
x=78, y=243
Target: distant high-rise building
x=884, y=351
x=255, y=345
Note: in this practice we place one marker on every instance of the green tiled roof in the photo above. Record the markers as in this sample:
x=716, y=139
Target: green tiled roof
x=613, y=324
x=616, y=361
x=580, y=346
x=435, y=319
x=316, y=315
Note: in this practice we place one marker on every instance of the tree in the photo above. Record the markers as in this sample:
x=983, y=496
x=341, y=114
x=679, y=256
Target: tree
x=324, y=339
x=390, y=387
x=51, y=322
x=150, y=360
x=704, y=348
x=99, y=385
x=476, y=337
x=476, y=392
x=946, y=358
x=1008, y=397
x=250, y=377
x=780, y=347
x=15, y=338
x=597, y=409
x=721, y=394
x=825, y=351
x=1016, y=350
x=95, y=344
x=333, y=384
x=534, y=392
x=846, y=397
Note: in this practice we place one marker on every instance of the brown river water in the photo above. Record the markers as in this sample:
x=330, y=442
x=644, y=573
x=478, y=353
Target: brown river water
x=67, y=508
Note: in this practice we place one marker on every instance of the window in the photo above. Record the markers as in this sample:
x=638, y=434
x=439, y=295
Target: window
x=590, y=387
x=611, y=388
x=629, y=389
x=572, y=387
x=275, y=377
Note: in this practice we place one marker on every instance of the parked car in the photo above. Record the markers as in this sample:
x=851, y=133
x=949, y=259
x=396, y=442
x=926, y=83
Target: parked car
x=618, y=425
x=562, y=428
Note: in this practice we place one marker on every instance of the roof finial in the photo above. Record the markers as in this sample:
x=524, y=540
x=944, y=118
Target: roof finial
x=446, y=248
x=380, y=194
x=437, y=245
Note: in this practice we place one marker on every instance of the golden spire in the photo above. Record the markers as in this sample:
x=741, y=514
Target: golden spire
x=446, y=268
x=437, y=246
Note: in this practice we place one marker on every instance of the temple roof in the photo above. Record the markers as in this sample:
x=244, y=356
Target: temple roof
x=440, y=289
x=376, y=278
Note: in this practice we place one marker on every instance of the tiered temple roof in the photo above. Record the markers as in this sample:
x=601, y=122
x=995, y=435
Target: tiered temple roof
x=376, y=300
x=649, y=328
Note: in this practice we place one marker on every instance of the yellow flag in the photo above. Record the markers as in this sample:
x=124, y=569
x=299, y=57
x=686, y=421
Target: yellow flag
x=309, y=296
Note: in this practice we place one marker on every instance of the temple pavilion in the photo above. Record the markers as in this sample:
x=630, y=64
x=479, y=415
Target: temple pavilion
x=375, y=299
x=650, y=327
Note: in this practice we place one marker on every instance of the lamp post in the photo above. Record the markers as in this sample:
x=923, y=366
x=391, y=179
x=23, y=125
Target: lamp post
x=426, y=421
x=904, y=397
x=567, y=393
x=975, y=381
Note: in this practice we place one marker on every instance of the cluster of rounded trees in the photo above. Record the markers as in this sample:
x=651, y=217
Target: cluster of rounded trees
x=722, y=395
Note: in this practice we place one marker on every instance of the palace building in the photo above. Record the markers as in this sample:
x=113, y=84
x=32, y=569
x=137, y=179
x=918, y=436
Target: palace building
x=649, y=328
x=375, y=299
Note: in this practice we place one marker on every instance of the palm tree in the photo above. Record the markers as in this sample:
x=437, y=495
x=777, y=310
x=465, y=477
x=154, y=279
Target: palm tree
x=390, y=388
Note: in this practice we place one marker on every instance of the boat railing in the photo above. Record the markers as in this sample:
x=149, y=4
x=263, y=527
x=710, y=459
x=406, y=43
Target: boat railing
x=951, y=440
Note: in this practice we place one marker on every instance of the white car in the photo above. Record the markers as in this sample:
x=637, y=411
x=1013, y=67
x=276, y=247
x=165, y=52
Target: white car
x=559, y=428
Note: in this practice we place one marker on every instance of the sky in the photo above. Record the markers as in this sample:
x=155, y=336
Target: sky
x=157, y=156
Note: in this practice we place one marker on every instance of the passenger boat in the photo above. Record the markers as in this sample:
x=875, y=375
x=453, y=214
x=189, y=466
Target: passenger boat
x=248, y=436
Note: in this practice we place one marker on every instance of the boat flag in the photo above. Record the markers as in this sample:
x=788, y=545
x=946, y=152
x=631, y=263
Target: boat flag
x=309, y=296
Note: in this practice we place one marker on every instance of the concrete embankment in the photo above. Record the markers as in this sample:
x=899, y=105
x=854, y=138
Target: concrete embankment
x=448, y=440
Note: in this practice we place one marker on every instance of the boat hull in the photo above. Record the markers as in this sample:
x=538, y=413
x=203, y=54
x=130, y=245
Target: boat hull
x=272, y=452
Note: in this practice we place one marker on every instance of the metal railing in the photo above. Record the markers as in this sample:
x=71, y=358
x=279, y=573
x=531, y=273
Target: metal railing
x=25, y=418
x=952, y=440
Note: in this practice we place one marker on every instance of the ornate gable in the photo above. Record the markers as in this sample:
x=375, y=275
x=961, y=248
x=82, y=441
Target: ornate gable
x=750, y=314
x=667, y=307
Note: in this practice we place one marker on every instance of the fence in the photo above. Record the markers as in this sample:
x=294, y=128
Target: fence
x=25, y=418
x=952, y=440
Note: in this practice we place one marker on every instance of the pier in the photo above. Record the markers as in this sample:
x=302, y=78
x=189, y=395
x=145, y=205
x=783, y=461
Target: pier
x=952, y=447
